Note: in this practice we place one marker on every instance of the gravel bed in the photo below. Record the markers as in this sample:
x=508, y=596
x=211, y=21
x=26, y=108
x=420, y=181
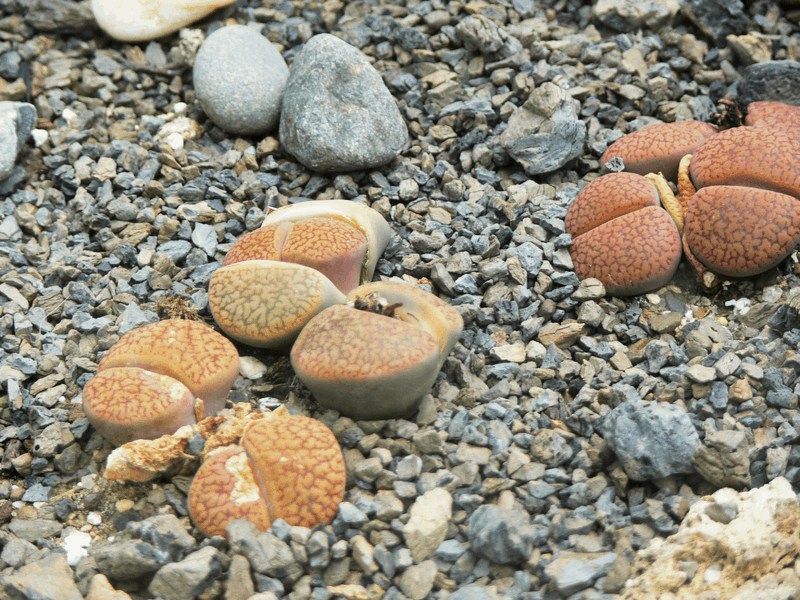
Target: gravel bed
x=567, y=431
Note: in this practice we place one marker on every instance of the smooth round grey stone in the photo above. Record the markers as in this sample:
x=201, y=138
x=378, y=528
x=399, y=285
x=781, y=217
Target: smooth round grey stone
x=337, y=113
x=239, y=78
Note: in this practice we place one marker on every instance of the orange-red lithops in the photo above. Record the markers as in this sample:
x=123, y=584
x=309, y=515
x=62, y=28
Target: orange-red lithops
x=189, y=351
x=761, y=157
x=128, y=403
x=622, y=236
x=158, y=378
x=660, y=147
x=266, y=303
x=776, y=115
x=378, y=356
x=288, y=468
x=741, y=231
x=331, y=246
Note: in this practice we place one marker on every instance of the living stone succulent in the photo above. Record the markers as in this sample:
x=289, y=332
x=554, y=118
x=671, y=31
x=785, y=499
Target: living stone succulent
x=159, y=378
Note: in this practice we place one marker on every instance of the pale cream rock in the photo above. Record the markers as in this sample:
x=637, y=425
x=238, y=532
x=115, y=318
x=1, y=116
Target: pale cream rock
x=142, y=20
x=753, y=553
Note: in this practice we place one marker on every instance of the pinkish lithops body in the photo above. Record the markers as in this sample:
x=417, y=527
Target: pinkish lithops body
x=378, y=356
x=159, y=378
x=288, y=468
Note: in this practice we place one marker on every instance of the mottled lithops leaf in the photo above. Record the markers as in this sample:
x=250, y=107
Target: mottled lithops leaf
x=299, y=468
x=128, y=403
x=739, y=231
x=376, y=357
x=776, y=115
x=608, y=197
x=632, y=254
x=416, y=307
x=331, y=246
x=761, y=157
x=266, y=303
x=366, y=220
x=225, y=489
x=191, y=352
x=659, y=148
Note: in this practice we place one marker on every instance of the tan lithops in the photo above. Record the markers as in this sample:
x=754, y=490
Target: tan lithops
x=142, y=20
x=189, y=351
x=288, y=468
x=377, y=357
x=266, y=303
x=127, y=403
x=363, y=218
x=331, y=246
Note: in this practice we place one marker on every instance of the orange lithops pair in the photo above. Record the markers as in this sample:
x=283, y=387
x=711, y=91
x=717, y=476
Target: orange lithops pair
x=376, y=357
x=288, y=468
x=303, y=259
x=622, y=236
x=159, y=378
x=737, y=211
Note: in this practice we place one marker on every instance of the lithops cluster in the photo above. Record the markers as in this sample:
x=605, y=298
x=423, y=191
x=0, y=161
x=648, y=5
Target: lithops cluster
x=305, y=258
x=377, y=356
x=288, y=468
x=158, y=378
x=737, y=211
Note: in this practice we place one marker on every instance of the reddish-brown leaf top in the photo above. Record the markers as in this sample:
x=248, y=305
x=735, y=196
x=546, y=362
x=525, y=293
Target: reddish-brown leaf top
x=659, y=148
x=633, y=254
x=740, y=231
x=224, y=489
x=608, y=197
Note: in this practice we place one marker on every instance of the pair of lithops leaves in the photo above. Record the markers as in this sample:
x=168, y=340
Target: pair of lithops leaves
x=370, y=351
x=737, y=212
x=171, y=374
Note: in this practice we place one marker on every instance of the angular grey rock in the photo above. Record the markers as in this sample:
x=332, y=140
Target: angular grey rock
x=776, y=80
x=481, y=34
x=337, y=113
x=240, y=77
x=629, y=15
x=34, y=529
x=501, y=535
x=652, y=440
x=545, y=133
x=188, y=578
x=130, y=560
x=416, y=581
x=17, y=120
x=717, y=18
x=574, y=571
x=48, y=579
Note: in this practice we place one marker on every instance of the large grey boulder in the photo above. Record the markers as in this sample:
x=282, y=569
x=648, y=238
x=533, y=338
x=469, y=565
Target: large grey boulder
x=337, y=113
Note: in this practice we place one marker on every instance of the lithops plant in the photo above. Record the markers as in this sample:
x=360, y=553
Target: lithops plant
x=288, y=468
x=362, y=218
x=621, y=234
x=159, y=378
x=737, y=209
x=334, y=248
x=376, y=357
x=303, y=259
x=265, y=303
